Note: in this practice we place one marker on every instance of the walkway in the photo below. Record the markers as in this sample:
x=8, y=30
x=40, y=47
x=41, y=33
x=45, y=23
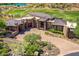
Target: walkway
x=65, y=46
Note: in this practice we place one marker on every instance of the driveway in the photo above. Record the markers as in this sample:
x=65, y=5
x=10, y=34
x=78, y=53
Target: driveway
x=65, y=46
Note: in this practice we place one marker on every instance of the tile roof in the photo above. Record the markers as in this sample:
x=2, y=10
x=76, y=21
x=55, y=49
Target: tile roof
x=13, y=22
x=41, y=15
x=59, y=21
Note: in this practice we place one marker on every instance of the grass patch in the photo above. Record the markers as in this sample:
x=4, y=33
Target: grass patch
x=16, y=12
x=67, y=15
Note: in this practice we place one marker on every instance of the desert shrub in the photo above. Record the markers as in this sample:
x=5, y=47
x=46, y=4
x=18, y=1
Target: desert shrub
x=33, y=45
x=4, y=49
x=43, y=43
x=49, y=46
x=31, y=49
x=47, y=33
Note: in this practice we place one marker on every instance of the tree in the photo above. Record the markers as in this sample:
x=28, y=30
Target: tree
x=32, y=38
x=2, y=24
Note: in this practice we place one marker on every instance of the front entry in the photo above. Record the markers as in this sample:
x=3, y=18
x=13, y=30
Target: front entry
x=41, y=24
x=29, y=24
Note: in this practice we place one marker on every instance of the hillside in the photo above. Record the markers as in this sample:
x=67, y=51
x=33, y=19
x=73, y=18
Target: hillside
x=66, y=11
x=62, y=6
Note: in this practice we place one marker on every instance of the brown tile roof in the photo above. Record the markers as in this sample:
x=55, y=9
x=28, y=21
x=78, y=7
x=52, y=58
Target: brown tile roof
x=13, y=22
x=59, y=21
x=41, y=15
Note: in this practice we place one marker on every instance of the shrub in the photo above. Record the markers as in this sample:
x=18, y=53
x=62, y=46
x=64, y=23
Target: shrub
x=4, y=50
x=47, y=33
x=76, y=31
x=43, y=43
x=1, y=40
x=55, y=31
x=33, y=44
x=3, y=32
x=31, y=49
x=49, y=46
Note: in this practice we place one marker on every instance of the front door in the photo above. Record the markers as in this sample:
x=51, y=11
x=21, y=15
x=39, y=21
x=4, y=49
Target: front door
x=41, y=25
x=29, y=24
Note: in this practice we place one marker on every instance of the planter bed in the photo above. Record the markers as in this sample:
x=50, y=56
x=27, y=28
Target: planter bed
x=54, y=34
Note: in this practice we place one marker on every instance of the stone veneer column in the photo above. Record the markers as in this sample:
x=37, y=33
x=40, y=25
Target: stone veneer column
x=23, y=25
x=17, y=28
x=65, y=31
x=44, y=25
x=32, y=23
x=37, y=24
x=27, y=24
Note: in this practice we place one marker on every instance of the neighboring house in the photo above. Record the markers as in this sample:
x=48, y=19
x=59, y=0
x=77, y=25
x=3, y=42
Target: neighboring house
x=38, y=20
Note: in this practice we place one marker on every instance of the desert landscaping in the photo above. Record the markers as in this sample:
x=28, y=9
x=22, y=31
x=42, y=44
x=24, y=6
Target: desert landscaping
x=39, y=29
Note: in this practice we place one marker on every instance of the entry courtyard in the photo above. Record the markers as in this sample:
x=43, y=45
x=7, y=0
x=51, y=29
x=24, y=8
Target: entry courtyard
x=64, y=46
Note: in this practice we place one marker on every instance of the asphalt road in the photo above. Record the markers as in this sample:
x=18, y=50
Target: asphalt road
x=73, y=54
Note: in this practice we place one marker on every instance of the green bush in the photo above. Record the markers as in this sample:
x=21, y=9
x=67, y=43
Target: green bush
x=55, y=31
x=33, y=46
x=76, y=31
x=31, y=49
x=3, y=32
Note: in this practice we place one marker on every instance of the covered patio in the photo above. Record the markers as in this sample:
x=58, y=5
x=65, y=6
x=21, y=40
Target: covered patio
x=12, y=27
x=41, y=19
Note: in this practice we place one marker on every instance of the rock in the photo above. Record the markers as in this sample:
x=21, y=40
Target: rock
x=36, y=53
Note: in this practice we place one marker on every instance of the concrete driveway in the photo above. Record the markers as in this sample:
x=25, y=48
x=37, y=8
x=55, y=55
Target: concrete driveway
x=65, y=46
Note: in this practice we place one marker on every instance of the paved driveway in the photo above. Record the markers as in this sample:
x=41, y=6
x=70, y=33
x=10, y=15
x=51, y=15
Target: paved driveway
x=65, y=46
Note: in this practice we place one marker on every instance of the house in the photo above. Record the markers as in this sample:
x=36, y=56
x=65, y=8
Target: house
x=38, y=20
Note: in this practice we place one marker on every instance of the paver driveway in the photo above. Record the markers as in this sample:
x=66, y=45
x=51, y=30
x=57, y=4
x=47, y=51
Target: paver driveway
x=65, y=46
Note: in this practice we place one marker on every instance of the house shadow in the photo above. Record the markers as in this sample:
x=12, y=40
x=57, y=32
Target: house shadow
x=25, y=30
